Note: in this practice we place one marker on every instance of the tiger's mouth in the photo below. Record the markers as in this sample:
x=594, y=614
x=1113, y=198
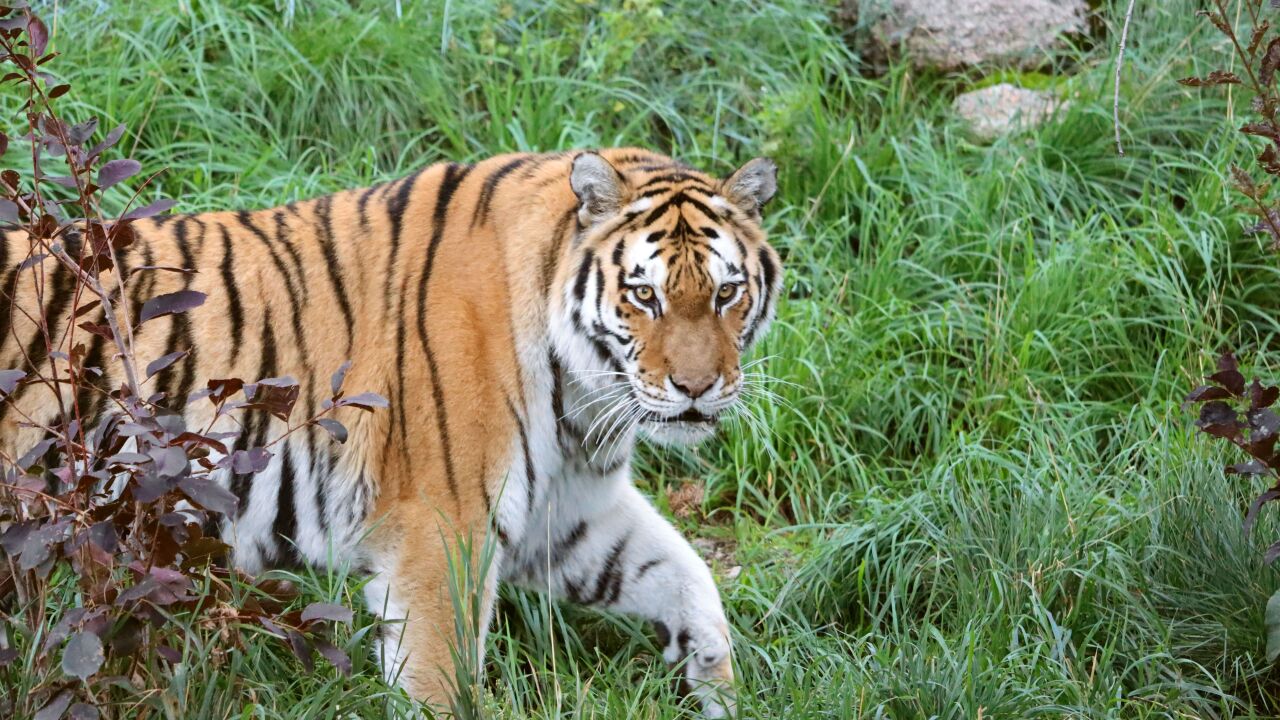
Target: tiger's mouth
x=691, y=416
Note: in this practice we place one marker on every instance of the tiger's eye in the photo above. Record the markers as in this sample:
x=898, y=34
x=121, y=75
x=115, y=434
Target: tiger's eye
x=644, y=293
x=727, y=290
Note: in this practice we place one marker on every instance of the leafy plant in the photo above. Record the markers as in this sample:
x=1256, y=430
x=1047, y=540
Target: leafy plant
x=119, y=492
x=1259, y=56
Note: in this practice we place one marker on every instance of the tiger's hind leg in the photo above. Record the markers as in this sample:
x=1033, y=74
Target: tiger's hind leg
x=421, y=647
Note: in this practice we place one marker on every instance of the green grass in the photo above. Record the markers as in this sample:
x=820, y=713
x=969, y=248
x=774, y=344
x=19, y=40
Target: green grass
x=979, y=495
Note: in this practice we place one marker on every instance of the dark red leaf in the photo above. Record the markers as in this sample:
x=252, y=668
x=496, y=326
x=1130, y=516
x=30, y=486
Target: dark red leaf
x=1217, y=77
x=7, y=655
x=1252, y=516
x=55, y=708
x=112, y=138
x=1219, y=419
x=335, y=656
x=1256, y=37
x=58, y=91
x=103, y=534
x=364, y=401
x=301, y=648
x=81, y=711
x=1263, y=424
x=154, y=208
x=171, y=303
x=1207, y=392
x=204, y=547
x=1270, y=61
x=339, y=377
x=326, y=611
x=221, y=389
x=334, y=428
x=115, y=171
x=209, y=495
x=39, y=36
x=1262, y=396
x=102, y=331
x=81, y=132
x=271, y=627
x=83, y=655
x=10, y=212
x=276, y=396
x=1251, y=467
x=254, y=460
x=190, y=438
x=161, y=363
x=9, y=380
x=1232, y=380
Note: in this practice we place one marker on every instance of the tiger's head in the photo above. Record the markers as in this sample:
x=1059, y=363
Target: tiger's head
x=669, y=281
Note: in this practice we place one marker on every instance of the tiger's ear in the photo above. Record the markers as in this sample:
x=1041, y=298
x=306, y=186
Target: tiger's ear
x=600, y=189
x=753, y=185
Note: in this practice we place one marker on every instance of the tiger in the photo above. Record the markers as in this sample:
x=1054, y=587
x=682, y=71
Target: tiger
x=529, y=319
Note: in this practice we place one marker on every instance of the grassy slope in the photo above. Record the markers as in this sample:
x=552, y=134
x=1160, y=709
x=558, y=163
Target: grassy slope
x=978, y=495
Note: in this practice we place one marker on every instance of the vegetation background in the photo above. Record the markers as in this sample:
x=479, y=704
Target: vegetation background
x=977, y=494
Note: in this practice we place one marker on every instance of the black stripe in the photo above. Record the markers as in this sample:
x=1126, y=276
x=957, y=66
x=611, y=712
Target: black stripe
x=285, y=525
x=701, y=206
x=285, y=238
x=481, y=214
x=246, y=221
x=531, y=478
x=453, y=176
x=557, y=387
x=400, y=355
x=235, y=311
x=321, y=478
x=362, y=206
x=552, y=256
x=58, y=299
x=256, y=422
x=188, y=378
x=659, y=211
x=663, y=632
x=584, y=272
x=324, y=212
x=395, y=212
x=651, y=192
x=768, y=273
x=671, y=177
x=609, y=581
x=560, y=551
x=646, y=567
x=9, y=290
x=179, y=328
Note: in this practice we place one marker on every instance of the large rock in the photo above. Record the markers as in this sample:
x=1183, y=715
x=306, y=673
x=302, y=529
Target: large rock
x=952, y=34
x=1004, y=109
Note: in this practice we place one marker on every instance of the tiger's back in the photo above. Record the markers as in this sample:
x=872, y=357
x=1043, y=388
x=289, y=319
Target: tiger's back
x=378, y=276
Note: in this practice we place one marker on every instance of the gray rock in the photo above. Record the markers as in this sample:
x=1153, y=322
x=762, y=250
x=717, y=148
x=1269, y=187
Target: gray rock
x=952, y=34
x=1004, y=109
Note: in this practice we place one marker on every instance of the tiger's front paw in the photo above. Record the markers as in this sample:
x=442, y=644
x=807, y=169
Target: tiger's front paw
x=703, y=653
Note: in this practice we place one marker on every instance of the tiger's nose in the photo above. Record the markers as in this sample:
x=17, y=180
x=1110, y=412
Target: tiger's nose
x=695, y=386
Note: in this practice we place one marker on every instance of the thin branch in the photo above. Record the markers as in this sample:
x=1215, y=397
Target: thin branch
x=1115, y=107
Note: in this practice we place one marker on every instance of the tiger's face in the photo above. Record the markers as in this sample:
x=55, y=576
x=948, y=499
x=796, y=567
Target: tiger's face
x=672, y=282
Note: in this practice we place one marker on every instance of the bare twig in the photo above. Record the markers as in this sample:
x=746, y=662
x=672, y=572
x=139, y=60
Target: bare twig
x=1115, y=107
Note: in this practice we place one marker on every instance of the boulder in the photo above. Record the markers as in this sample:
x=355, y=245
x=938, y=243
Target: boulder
x=962, y=33
x=1004, y=109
